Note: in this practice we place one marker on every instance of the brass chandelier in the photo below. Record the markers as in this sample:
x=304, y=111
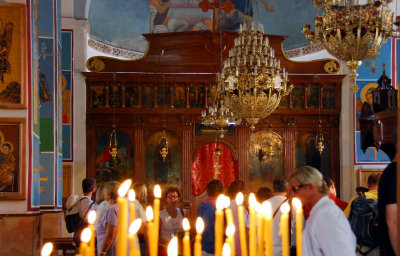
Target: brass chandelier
x=253, y=79
x=351, y=31
x=218, y=114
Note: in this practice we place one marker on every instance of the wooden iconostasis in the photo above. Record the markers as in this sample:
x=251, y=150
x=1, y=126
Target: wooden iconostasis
x=155, y=98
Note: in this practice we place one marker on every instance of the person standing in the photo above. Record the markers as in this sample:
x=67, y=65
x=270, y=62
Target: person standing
x=107, y=228
x=280, y=187
x=387, y=210
x=207, y=212
x=327, y=230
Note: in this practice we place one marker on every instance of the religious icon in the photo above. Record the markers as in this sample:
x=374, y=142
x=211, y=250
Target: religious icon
x=313, y=97
x=98, y=97
x=298, y=98
x=180, y=97
x=131, y=97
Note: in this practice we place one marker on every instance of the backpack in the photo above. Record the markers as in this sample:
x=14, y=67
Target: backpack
x=72, y=218
x=363, y=222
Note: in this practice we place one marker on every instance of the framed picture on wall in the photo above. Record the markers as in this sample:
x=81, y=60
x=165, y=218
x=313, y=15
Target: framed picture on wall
x=363, y=175
x=12, y=159
x=13, y=51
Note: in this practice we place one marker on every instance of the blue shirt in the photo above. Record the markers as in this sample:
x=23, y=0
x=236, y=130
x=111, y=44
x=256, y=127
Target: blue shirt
x=207, y=212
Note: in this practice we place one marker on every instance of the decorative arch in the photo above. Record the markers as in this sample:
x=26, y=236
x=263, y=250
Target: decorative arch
x=213, y=161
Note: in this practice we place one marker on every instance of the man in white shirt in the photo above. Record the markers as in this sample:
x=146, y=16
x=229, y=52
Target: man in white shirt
x=280, y=187
x=327, y=231
x=89, y=187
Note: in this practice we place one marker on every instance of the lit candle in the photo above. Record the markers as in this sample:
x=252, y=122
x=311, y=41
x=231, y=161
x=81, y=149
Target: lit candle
x=157, y=196
x=260, y=230
x=226, y=251
x=91, y=220
x=299, y=225
x=266, y=208
x=284, y=231
x=199, y=231
x=133, y=228
x=150, y=230
x=47, y=249
x=230, y=237
x=242, y=227
x=219, y=225
x=122, y=224
x=85, y=238
x=252, y=223
x=173, y=247
x=131, y=197
x=186, y=238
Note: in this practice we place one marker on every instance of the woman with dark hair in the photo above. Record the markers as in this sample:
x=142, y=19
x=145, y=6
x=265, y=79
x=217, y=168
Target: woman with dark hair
x=170, y=219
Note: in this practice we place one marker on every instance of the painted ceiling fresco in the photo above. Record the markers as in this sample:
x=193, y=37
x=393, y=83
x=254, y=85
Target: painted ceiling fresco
x=121, y=23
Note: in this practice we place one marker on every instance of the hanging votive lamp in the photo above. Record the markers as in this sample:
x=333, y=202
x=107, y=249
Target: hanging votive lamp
x=113, y=146
x=163, y=147
x=319, y=142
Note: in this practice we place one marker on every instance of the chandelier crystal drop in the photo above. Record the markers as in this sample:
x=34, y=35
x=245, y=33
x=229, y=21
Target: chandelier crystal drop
x=351, y=30
x=253, y=79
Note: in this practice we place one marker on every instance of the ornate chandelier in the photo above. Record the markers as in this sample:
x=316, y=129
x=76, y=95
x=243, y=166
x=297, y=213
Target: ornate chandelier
x=218, y=114
x=351, y=31
x=254, y=82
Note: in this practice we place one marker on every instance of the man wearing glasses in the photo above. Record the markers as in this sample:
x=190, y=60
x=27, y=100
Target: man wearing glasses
x=327, y=230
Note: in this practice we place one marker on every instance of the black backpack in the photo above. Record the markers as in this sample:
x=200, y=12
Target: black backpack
x=363, y=222
x=72, y=218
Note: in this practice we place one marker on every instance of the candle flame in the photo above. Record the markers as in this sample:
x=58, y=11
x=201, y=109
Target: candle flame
x=230, y=230
x=134, y=227
x=199, y=225
x=296, y=203
x=220, y=202
x=149, y=213
x=285, y=208
x=123, y=189
x=252, y=200
x=226, y=250
x=186, y=224
x=227, y=201
x=239, y=198
x=86, y=234
x=173, y=247
x=91, y=217
x=47, y=249
x=157, y=191
x=266, y=208
x=131, y=195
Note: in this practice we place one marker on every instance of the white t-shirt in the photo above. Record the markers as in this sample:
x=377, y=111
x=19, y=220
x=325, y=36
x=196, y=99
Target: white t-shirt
x=327, y=231
x=85, y=204
x=169, y=225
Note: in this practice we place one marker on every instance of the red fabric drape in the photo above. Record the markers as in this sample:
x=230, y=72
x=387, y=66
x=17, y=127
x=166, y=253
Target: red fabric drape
x=207, y=163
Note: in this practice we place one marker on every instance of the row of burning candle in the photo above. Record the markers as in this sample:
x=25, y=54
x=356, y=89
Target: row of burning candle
x=260, y=228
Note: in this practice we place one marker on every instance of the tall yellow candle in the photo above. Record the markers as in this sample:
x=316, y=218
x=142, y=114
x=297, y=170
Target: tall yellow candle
x=157, y=196
x=91, y=220
x=284, y=229
x=260, y=230
x=173, y=247
x=268, y=237
x=186, y=237
x=85, y=238
x=47, y=249
x=229, y=218
x=150, y=230
x=230, y=237
x=299, y=225
x=226, y=251
x=252, y=223
x=133, y=228
x=199, y=231
x=219, y=225
x=242, y=226
x=122, y=224
x=131, y=197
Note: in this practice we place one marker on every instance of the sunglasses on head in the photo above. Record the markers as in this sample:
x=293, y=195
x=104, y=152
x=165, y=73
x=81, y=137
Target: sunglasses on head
x=295, y=189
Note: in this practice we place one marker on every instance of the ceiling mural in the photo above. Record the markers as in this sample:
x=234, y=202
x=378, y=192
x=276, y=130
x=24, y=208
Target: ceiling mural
x=122, y=25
